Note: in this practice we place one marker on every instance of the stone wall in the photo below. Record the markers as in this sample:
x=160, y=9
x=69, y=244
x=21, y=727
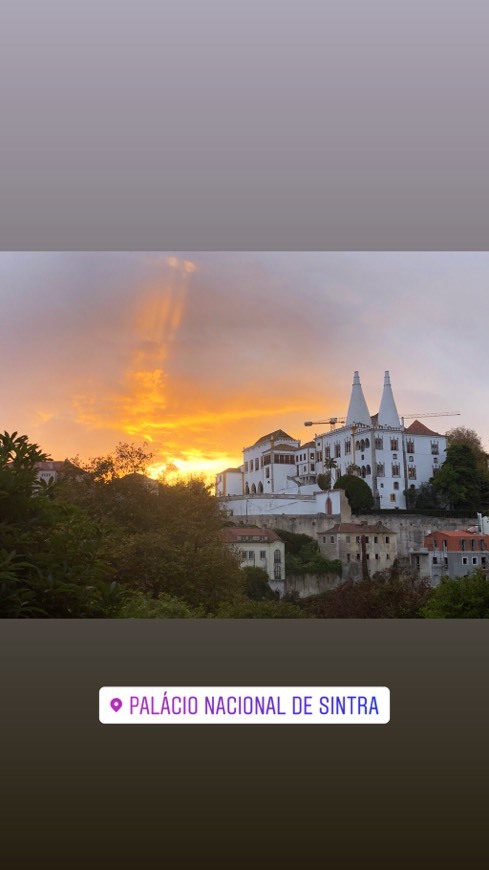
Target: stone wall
x=410, y=528
x=310, y=584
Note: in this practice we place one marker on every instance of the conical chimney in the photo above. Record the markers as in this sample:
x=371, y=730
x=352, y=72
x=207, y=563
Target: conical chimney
x=388, y=415
x=357, y=409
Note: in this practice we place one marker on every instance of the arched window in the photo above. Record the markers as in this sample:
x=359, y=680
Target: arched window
x=277, y=556
x=247, y=489
x=369, y=470
x=253, y=489
x=362, y=444
x=329, y=506
x=367, y=442
x=364, y=471
x=277, y=571
x=357, y=445
x=260, y=488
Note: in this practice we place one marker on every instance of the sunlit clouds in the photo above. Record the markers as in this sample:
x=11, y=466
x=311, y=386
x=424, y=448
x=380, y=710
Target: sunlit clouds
x=200, y=354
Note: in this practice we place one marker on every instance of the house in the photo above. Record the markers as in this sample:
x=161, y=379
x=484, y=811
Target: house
x=453, y=553
x=357, y=545
x=258, y=548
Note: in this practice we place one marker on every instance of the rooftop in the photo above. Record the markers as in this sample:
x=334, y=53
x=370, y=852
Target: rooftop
x=273, y=436
x=418, y=428
x=358, y=528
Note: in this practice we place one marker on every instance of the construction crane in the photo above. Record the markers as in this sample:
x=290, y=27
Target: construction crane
x=334, y=421
x=430, y=414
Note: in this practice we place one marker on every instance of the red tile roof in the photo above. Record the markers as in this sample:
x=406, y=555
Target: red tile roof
x=279, y=433
x=358, y=529
x=418, y=428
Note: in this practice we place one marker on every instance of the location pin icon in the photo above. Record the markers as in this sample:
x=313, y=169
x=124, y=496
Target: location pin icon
x=116, y=704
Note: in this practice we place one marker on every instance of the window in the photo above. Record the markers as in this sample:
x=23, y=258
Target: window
x=483, y=560
x=435, y=560
x=412, y=473
x=377, y=556
x=243, y=554
x=251, y=555
x=462, y=543
x=257, y=464
x=327, y=452
x=396, y=470
x=367, y=442
x=347, y=557
x=435, y=448
x=376, y=540
x=358, y=557
x=246, y=466
x=464, y=560
x=357, y=540
x=379, y=443
x=277, y=557
x=387, y=540
x=366, y=540
x=337, y=450
x=263, y=554
x=368, y=555
x=277, y=571
x=348, y=446
x=324, y=539
x=387, y=556
x=393, y=496
x=396, y=484
x=410, y=445
x=380, y=469
x=347, y=539
x=474, y=560
x=411, y=458
x=331, y=540
x=394, y=444
x=481, y=545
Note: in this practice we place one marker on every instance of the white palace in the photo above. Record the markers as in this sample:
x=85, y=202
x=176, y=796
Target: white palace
x=388, y=455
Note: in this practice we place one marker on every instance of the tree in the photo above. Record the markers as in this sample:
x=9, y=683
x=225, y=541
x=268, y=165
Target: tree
x=50, y=564
x=324, y=480
x=459, y=482
x=464, y=598
x=125, y=459
x=261, y=610
x=392, y=594
x=425, y=497
x=358, y=492
x=257, y=586
x=303, y=556
x=161, y=537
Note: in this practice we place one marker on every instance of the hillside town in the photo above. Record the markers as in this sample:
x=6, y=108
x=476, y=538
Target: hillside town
x=278, y=485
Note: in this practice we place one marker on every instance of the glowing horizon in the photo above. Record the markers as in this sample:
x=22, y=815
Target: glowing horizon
x=201, y=354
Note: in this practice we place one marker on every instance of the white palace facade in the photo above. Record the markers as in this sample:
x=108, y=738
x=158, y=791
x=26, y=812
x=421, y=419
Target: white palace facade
x=389, y=456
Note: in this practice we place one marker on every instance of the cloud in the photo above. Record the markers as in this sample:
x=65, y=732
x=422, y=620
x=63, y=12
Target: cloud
x=201, y=353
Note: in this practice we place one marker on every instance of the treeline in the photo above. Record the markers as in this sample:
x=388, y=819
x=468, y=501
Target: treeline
x=106, y=541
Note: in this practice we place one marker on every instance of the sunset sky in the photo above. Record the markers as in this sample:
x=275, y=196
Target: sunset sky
x=202, y=353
